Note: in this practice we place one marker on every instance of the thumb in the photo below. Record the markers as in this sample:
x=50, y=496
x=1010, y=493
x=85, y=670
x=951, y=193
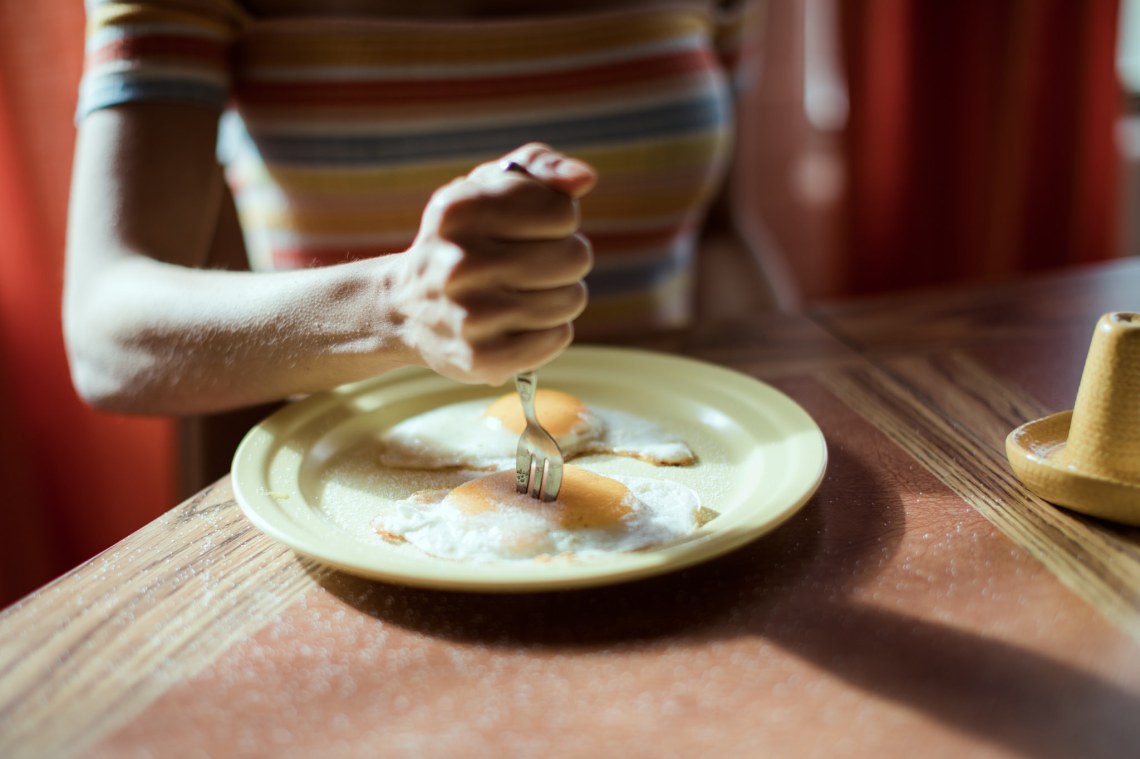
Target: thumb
x=560, y=172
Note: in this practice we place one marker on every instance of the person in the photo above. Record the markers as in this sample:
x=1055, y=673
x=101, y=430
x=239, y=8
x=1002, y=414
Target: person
x=275, y=197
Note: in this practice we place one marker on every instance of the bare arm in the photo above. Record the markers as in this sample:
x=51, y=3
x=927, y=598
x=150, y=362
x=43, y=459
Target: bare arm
x=148, y=332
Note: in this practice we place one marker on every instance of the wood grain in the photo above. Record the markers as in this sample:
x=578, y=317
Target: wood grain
x=953, y=417
x=922, y=601
x=1045, y=310
x=103, y=642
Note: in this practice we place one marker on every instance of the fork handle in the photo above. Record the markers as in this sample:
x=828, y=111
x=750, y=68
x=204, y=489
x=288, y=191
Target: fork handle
x=526, y=383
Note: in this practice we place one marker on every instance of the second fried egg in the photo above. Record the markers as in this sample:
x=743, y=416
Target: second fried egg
x=483, y=435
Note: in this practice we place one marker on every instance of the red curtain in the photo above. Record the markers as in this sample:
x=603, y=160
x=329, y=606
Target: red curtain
x=980, y=142
x=74, y=481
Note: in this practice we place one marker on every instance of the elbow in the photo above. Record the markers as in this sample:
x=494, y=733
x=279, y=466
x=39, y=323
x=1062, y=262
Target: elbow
x=113, y=356
x=97, y=385
x=100, y=368
x=98, y=394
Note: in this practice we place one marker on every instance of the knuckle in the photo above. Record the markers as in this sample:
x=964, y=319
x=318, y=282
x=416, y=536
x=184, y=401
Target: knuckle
x=581, y=253
x=529, y=151
x=558, y=339
x=485, y=313
x=488, y=367
x=545, y=206
x=439, y=271
x=474, y=267
x=454, y=206
x=446, y=194
x=563, y=212
x=577, y=299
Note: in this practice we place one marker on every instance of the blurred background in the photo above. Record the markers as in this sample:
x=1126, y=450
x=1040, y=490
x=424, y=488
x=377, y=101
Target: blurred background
x=886, y=144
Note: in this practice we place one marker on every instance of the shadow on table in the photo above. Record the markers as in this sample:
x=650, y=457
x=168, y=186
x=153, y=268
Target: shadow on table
x=824, y=543
x=1035, y=705
x=708, y=600
x=793, y=587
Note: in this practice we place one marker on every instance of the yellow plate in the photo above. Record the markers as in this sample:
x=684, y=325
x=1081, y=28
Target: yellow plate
x=306, y=475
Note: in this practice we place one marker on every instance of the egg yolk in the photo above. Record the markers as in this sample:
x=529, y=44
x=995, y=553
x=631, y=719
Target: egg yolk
x=557, y=411
x=586, y=501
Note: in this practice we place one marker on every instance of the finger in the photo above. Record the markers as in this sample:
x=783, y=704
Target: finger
x=505, y=311
x=530, y=265
x=502, y=206
x=544, y=164
x=498, y=359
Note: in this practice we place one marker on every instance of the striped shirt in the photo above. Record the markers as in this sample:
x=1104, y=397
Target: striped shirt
x=336, y=130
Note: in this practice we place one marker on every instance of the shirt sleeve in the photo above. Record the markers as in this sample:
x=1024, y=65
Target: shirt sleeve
x=172, y=51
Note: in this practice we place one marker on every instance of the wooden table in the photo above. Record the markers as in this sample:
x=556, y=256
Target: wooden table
x=922, y=604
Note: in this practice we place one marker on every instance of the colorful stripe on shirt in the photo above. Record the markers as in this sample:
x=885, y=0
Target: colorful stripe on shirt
x=341, y=129
x=157, y=50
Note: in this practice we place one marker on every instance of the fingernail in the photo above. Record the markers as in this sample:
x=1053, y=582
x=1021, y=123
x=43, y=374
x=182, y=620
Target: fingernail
x=569, y=168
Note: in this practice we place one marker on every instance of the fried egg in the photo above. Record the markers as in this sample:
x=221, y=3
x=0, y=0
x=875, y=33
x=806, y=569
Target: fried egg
x=484, y=435
x=487, y=519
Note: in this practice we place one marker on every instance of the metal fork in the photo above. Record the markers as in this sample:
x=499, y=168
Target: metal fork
x=538, y=463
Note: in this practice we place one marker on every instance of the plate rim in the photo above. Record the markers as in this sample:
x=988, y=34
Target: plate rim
x=469, y=576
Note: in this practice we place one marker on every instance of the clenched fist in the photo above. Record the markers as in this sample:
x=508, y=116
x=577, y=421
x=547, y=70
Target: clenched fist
x=494, y=278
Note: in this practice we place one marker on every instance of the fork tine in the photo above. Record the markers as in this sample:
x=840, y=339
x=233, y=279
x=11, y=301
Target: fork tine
x=523, y=466
x=551, y=480
x=545, y=478
x=537, y=472
x=538, y=461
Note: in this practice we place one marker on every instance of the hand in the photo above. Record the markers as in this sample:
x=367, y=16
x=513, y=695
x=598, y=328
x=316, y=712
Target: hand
x=494, y=278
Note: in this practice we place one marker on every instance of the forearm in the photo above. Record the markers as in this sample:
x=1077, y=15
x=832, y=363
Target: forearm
x=489, y=286
x=149, y=337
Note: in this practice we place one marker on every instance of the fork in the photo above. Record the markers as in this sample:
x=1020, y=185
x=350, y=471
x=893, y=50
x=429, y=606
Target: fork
x=538, y=463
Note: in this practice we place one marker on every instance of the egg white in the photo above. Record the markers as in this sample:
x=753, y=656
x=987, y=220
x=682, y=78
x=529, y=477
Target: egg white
x=523, y=528
x=458, y=435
